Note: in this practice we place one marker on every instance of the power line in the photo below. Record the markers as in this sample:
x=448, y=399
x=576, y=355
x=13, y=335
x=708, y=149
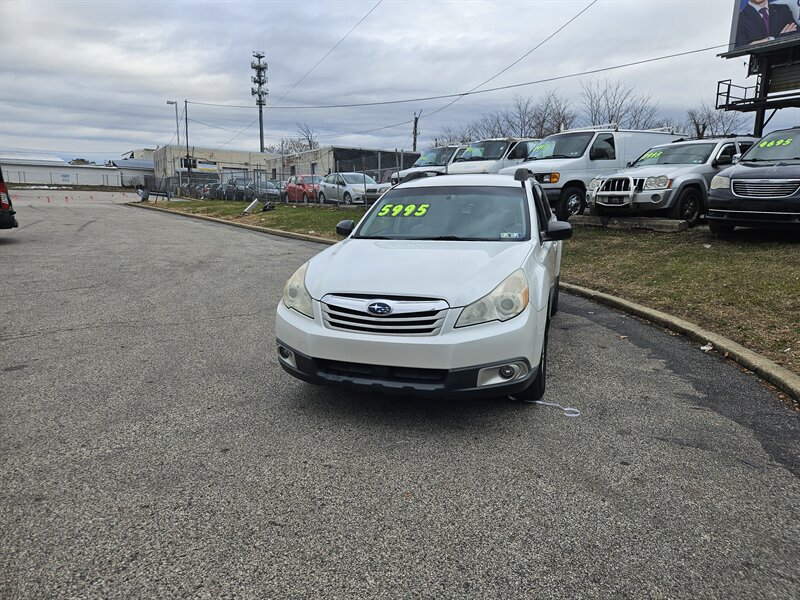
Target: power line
x=307, y=72
x=528, y=53
x=487, y=90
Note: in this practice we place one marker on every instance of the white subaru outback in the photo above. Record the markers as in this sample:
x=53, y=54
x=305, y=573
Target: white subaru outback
x=445, y=288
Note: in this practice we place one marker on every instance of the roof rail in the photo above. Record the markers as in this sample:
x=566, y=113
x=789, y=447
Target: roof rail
x=593, y=127
x=420, y=175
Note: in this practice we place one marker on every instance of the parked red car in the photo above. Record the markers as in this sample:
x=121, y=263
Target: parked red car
x=302, y=188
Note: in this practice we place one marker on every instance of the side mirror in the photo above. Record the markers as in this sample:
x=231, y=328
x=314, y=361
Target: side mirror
x=556, y=231
x=629, y=163
x=723, y=160
x=736, y=159
x=345, y=228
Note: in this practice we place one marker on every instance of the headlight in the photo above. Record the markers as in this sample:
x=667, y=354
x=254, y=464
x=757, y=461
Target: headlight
x=295, y=294
x=657, y=183
x=504, y=302
x=720, y=183
x=594, y=184
x=550, y=177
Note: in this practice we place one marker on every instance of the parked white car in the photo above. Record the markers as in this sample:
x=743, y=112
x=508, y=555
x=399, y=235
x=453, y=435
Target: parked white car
x=492, y=155
x=444, y=288
x=565, y=163
x=350, y=188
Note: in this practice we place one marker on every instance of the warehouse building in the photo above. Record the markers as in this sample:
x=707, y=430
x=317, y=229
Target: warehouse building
x=48, y=169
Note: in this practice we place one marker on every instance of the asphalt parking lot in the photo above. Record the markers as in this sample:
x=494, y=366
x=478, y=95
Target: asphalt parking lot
x=151, y=446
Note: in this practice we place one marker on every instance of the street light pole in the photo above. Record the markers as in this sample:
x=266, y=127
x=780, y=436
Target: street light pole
x=178, y=135
x=177, y=126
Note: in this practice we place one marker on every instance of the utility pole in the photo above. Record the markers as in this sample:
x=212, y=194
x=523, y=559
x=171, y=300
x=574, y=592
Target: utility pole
x=260, y=79
x=416, y=121
x=188, y=159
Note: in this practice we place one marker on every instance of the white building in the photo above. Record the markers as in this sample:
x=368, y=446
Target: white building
x=48, y=169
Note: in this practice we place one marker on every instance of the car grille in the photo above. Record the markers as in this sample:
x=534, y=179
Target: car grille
x=409, y=316
x=772, y=188
x=379, y=372
x=621, y=184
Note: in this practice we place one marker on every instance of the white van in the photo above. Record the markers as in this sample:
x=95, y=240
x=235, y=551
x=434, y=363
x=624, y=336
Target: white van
x=489, y=156
x=436, y=159
x=565, y=163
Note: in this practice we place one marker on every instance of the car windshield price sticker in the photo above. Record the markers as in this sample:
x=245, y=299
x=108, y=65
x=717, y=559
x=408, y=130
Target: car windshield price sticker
x=772, y=143
x=404, y=210
x=655, y=154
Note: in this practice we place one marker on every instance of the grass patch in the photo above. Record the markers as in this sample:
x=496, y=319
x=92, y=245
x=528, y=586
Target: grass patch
x=746, y=288
x=310, y=219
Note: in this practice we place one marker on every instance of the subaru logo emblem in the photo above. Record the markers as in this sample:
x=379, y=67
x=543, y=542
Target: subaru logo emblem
x=379, y=308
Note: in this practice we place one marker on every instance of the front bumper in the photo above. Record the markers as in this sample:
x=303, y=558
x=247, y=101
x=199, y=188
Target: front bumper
x=7, y=219
x=455, y=363
x=644, y=200
x=779, y=213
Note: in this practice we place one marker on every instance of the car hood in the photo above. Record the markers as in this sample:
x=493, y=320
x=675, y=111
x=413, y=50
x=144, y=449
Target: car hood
x=671, y=171
x=458, y=272
x=774, y=170
x=542, y=166
x=437, y=168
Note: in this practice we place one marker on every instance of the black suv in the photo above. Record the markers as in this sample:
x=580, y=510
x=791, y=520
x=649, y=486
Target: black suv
x=7, y=218
x=762, y=189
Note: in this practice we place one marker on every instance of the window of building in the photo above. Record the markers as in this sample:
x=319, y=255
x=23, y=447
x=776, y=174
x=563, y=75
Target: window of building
x=292, y=170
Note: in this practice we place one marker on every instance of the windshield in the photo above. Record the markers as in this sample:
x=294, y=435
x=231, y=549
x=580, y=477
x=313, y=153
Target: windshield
x=490, y=214
x=676, y=154
x=781, y=145
x=358, y=178
x=562, y=145
x=435, y=157
x=487, y=150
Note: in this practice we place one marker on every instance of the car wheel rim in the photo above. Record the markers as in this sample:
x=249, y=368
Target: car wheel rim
x=690, y=209
x=573, y=204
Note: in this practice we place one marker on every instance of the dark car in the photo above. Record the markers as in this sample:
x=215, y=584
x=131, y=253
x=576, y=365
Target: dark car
x=7, y=218
x=762, y=190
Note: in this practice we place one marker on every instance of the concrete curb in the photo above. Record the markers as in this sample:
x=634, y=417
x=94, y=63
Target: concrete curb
x=778, y=376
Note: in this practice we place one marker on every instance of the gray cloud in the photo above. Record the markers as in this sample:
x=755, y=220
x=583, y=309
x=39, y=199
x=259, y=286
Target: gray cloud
x=91, y=77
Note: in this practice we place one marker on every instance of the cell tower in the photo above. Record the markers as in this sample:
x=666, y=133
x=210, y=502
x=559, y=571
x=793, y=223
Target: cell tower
x=260, y=80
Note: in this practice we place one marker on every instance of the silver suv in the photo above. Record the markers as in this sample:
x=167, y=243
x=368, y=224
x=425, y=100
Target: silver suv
x=671, y=177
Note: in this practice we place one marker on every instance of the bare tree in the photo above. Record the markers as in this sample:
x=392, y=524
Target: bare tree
x=613, y=102
x=703, y=120
x=308, y=135
x=452, y=135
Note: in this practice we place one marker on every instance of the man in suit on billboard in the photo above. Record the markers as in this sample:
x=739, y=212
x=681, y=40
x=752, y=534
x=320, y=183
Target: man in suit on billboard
x=761, y=21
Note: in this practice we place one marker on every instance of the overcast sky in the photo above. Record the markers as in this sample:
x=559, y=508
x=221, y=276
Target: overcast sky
x=91, y=79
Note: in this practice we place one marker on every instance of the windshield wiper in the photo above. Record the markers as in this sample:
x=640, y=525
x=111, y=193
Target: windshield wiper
x=373, y=237
x=560, y=156
x=454, y=238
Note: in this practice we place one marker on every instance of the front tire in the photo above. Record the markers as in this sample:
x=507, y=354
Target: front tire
x=305, y=198
x=321, y=198
x=286, y=197
x=572, y=202
x=347, y=199
x=536, y=390
x=688, y=207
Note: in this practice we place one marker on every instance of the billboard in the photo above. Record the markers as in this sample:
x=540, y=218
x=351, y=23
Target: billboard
x=757, y=22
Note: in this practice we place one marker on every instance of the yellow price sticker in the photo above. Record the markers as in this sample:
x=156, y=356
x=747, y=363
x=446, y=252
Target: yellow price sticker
x=655, y=154
x=773, y=143
x=403, y=210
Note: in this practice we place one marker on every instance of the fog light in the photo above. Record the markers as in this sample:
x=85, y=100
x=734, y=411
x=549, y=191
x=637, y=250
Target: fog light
x=507, y=372
x=655, y=197
x=284, y=352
